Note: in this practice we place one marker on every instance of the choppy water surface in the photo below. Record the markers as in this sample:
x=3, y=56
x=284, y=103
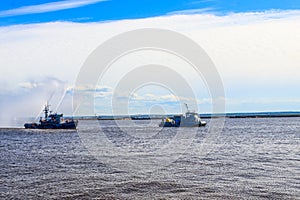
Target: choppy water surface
x=251, y=158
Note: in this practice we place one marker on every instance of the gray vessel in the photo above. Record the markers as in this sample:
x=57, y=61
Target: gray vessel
x=190, y=119
x=52, y=121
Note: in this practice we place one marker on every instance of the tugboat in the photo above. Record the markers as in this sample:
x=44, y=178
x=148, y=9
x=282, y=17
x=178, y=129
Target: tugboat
x=52, y=121
x=190, y=119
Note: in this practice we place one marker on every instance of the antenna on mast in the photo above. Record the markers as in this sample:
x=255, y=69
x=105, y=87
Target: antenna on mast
x=187, y=108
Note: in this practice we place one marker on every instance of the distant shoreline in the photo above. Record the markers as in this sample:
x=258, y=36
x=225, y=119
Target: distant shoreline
x=204, y=116
x=285, y=114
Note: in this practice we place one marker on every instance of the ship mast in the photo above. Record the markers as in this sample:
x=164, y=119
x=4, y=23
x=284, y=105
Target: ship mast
x=46, y=110
x=187, y=108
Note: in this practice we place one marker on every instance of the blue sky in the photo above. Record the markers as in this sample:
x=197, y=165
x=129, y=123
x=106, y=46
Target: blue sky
x=253, y=44
x=37, y=11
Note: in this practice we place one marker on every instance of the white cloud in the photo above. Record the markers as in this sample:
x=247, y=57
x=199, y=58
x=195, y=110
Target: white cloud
x=28, y=85
x=47, y=7
x=192, y=11
x=260, y=50
x=152, y=97
x=163, y=98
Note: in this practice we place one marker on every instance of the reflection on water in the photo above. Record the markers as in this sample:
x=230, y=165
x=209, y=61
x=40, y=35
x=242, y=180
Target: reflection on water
x=252, y=158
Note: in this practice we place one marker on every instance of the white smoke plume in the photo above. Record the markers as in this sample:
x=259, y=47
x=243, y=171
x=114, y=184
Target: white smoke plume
x=26, y=103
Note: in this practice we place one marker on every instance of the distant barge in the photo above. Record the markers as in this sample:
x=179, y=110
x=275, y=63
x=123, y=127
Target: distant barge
x=52, y=121
x=140, y=117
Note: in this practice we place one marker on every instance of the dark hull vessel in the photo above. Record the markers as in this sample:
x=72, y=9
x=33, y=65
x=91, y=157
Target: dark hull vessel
x=67, y=125
x=52, y=121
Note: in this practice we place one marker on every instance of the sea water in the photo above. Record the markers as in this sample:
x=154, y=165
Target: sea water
x=252, y=158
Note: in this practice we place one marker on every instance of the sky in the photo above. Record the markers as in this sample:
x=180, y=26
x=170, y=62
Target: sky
x=37, y=11
x=253, y=44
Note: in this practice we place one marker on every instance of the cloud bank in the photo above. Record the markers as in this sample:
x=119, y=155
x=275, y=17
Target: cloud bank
x=256, y=54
